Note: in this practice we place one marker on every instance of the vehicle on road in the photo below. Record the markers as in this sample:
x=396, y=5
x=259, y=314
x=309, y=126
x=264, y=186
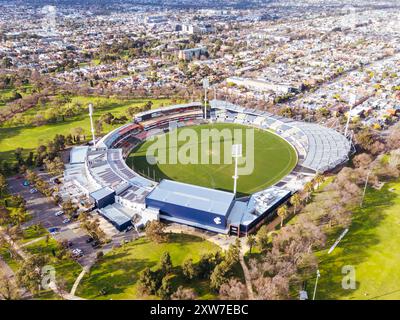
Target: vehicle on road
x=33, y=190
x=76, y=253
x=53, y=230
x=95, y=244
x=89, y=240
x=65, y=221
x=59, y=213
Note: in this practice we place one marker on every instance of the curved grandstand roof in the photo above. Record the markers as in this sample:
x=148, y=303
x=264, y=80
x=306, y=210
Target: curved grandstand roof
x=319, y=148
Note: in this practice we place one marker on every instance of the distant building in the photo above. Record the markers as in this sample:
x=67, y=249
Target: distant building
x=156, y=19
x=193, y=29
x=190, y=54
x=262, y=85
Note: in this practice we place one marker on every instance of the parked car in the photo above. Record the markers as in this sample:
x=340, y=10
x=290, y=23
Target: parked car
x=33, y=190
x=89, y=240
x=53, y=230
x=77, y=253
x=59, y=213
x=95, y=244
x=66, y=220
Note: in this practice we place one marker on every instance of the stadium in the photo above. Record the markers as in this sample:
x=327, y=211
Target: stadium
x=126, y=190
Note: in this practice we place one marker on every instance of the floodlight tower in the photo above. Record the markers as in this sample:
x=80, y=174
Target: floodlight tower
x=91, y=124
x=236, y=153
x=352, y=102
x=206, y=85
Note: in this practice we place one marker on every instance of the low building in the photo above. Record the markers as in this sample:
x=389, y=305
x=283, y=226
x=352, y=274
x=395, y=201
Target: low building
x=262, y=85
x=192, y=205
x=190, y=54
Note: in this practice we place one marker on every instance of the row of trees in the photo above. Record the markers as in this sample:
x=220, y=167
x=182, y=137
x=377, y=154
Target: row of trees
x=287, y=257
x=49, y=152
x=220, y=269
x=92, y=227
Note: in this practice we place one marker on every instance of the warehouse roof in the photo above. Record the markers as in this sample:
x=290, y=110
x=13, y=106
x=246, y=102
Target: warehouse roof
x=116, y=213
x=101, y=193
x=78, y=154
x=191, y=196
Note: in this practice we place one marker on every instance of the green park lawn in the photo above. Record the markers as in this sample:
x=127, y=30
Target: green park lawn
x=273, y=158
x=66, y=269
x=371, y=246
x=29, y=137
x=118, y=271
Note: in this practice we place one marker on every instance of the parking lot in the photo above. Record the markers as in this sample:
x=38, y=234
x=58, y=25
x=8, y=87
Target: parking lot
x=43, y=210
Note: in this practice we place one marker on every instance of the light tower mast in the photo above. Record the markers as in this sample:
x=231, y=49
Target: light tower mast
x=206, y=85
x=352, y=102
x=91, y=124
x=236, y=153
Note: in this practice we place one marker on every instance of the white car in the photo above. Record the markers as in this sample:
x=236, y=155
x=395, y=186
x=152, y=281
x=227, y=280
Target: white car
x=77, y=252
x=66, y=220
x=33, y=190
x=58, y=213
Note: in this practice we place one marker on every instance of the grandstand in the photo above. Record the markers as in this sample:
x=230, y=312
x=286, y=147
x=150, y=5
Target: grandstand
x=102, y=173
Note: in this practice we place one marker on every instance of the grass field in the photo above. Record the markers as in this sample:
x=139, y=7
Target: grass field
x=29, y=137
x=273, y=159
x=118, y=270
x=371, y=246
x=66, y=269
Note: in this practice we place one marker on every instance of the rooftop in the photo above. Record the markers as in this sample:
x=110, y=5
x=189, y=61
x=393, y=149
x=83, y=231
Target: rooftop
x=101, y=193
x=78, y=154
x=196, y=197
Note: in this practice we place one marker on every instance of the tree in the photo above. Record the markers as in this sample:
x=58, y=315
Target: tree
x=155, y=231
x=251, y=242
x=362, y=160
x=4, y=215
x=54, y=167
x=165, y=290
x=19, y=216
x=318, y=179
x=295, y=200
x=232, y=255
x=98, y=127
x=92, y=226
x=207, y=263
x=165, y=263
x=69, y=208
x=149, y=281
x=18, y=201
x=30, y=273
x=220, y=275
x=309, y=188
x=184, y=294
x=8, y=288
x=282, y=213
x=31, y=176
x=233, y=290
x=189, y=269
x=272, y=288
x=262, y=237
x=3, y=185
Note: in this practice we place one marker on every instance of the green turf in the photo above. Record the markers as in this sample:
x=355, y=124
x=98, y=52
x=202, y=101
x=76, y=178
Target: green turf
x=13, y=262
x=66, y=269
x=29, y=137
x=371, y=246
x=274, y=158
x=118, y=271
